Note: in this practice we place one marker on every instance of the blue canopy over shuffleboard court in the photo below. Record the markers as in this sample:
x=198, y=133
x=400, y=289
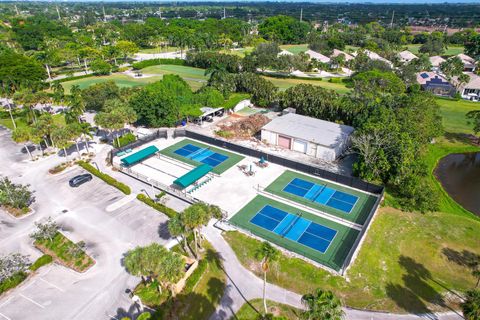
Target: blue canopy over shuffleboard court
x=322, y=194
x=139, y=155
x=203, y=155
x=192, y=176
x=294, y=228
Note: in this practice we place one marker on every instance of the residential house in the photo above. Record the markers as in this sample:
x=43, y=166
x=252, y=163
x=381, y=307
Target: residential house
x=406, y=56
x=435, y=83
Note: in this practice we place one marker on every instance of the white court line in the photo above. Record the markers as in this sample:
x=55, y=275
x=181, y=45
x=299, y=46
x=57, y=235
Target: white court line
x=51, y=284
x=32, y=301
x=2, y=315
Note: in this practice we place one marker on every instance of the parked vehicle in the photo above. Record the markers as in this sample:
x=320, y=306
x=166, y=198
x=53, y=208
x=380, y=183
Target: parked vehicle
x=80, y=179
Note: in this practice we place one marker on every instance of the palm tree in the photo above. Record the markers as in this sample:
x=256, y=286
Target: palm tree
x=322, y=305
x=156, y=262
x=22, y=135
x=476, y=274
x=267, y=254
x=177, y=228
x=471, y=305
x=61, y=136
x=46, y=125
x=7, y=93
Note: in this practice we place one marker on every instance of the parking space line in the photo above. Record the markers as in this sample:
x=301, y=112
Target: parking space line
x=29, y=284
x=52, y=285
x=32, y=301
x=6, y=301
x=2, y=315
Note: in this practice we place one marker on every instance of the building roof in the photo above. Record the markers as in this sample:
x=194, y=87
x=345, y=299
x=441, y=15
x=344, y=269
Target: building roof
x=318, y=131
x=467, y=61
x=285, y=53
x=436, y=61
x=430, y=77
x=474, y=82
x=406, y=56
x=375, y=56
x=317, y=56
x=337, y=52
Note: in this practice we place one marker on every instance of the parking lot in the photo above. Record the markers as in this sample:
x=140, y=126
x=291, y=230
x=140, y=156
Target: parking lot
x=110, y=224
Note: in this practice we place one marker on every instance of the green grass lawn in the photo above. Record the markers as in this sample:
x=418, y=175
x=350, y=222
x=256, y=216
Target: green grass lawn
x=453, y=114
x=241, y=52
x=253, y=308
x=334, y=256
x=295, y=48
x=61, y=249
x=284, y=84
x=403, y=265
x=195, y=80
x=183, y=71
x=359, y=212
x=233, y=158
x=21, y=122
x=450, y=51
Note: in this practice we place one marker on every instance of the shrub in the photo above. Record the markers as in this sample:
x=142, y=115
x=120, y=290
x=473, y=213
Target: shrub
x=335, y=80
x=157, y=206
x=124, y=140
x=224, y=134
x=40, y=262
x=105, y=177
x=12, y=282
x=59, y=168
x=100, y=67
x=156, y=62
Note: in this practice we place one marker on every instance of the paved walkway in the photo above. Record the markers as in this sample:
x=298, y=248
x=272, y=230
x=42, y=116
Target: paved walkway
x=243, y=286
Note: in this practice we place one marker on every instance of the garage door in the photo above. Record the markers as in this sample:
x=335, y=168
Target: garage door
x=284, y=141
x=300, y=146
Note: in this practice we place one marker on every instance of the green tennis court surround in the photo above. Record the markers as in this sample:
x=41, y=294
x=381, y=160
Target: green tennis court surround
x=324, y=195
x=314, y=237
x=139, y=156
x=221, y=160
x=192, y=176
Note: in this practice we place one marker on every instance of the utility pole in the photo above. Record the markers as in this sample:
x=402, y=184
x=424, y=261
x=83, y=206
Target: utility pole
x=16, y=10
x=160, y=12
x=58, y=13
x=391, y=22
x=301, y=14
x=224, y=13
x=104, y=15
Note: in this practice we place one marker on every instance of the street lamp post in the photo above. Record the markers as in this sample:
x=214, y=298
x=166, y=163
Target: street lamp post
x=96, y=165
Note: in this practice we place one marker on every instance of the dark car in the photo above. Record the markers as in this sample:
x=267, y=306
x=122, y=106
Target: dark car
x=80, y=179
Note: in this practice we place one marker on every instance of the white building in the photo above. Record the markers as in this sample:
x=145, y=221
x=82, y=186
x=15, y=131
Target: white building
x=337, y=52
x=436, y=61
x=469, y=64
x=314, y=137
x=285, y=53
x=406, y=56
x=375, y=56
x=317, y=56
x=471, y=90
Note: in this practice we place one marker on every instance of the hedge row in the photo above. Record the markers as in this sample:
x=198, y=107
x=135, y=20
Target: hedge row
x=156, y=62
x=12, y=282
x=40, y=262
x=105, y=177
x=157, y=206
x=75, y=78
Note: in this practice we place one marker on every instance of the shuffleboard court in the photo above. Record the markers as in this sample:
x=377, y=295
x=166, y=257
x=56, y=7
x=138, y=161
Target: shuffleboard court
x=295, y=228
x=333, y=198
x=314, y=237
x=322, y=194
x=196, y=153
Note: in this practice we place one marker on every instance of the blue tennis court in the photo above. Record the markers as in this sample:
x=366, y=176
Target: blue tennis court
x=203, y=155
x=322, y=194
x=294, y=228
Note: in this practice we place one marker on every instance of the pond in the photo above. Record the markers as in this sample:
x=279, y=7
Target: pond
x=459, y=174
